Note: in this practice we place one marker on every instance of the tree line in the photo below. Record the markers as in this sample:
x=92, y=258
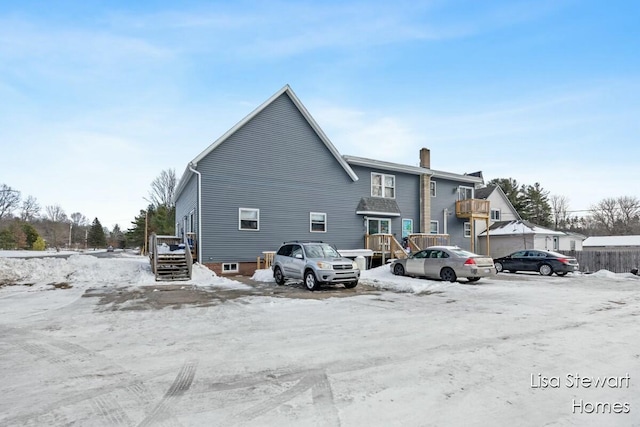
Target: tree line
x=612, y=216
x=24, y=224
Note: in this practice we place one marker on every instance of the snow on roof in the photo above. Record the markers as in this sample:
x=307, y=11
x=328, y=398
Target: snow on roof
x=511, y=228
x=611, y=241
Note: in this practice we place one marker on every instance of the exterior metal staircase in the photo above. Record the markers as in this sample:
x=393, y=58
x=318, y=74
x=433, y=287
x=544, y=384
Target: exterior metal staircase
x=170, y=258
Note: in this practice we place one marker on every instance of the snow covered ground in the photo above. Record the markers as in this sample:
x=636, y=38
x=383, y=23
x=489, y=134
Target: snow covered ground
x=79, y=347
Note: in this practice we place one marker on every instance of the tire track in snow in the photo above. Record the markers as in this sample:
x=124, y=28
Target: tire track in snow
x=74, y=360
x=180, y=385
x=108, y=409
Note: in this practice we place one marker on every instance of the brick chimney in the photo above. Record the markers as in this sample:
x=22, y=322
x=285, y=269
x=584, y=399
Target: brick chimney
x=425, y=191
x=425, y=158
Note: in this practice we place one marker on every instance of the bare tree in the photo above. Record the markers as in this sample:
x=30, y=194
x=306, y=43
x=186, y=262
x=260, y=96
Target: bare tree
x=9, y=200
x=560, y=210
x=79, y=220
x=617, y=216
x=629, y=208
x=55, y=213
x=163, y=189
x=30, y=209
x=79, y=227
x=55, y=225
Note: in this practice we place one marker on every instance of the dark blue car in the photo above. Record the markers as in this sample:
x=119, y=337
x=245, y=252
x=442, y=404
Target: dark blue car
x=542, y=261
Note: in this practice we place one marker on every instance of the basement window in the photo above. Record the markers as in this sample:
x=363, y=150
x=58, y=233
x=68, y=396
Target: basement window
x=230, y=267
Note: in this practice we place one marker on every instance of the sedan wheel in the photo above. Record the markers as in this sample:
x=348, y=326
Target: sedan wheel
x=498, y=267
x=545, y=270
x=310, y=281
x=448, y=275
x=398, y=270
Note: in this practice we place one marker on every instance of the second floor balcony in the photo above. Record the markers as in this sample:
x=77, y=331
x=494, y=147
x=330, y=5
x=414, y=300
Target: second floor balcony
x=473, y=208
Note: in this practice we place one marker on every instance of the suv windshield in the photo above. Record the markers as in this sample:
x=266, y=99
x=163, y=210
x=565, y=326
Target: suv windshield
x=321, y=251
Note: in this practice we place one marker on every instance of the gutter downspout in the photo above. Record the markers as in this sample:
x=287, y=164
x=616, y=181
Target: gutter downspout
x=191, y=168
x=446, y=218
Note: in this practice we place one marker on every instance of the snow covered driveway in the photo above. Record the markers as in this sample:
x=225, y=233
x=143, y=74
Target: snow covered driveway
x=515, y=350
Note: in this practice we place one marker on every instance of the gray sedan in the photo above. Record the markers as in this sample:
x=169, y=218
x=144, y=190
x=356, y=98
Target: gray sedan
x=446, y=263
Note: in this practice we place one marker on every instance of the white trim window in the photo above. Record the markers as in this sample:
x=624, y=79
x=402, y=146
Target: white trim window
x=191, y=223
x=383, y=185
x=230, y=267
x=378, y=226
x=434, y=227
x=496, y=214
x=465, y=192
x=248, y=219
x=317, y=222
x=432, y=188
x=467, y=229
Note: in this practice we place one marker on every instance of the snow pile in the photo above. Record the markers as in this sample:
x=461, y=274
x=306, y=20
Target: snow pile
x=90, y=270
x=264, y=275
x=76, y=268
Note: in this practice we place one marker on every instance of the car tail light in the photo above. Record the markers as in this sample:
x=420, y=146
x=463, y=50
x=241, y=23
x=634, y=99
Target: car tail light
x=470, y=261
x=563, y=260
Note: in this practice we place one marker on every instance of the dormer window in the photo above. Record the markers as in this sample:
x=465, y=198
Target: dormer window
x=383, y=185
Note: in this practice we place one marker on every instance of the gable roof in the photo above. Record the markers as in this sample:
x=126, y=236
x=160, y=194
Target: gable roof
x=377, y=206
x=485, y=192
x=517, y=228
x=286, y=90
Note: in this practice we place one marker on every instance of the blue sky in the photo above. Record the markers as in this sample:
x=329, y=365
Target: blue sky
x=97, y=98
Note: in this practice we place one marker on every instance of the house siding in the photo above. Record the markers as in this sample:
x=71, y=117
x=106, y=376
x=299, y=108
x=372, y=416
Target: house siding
x=446, y=196
x=187, y=202
x=278, y=164
x=407, y=196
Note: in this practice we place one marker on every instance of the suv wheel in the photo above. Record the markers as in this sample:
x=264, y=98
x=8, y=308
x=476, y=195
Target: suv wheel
x=351, y=285
x=310, y=280
x=277, y=274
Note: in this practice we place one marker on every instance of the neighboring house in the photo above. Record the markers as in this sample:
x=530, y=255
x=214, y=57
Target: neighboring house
x=510, y=236
x=275, y=176
x=501, y=210
x=616, y=243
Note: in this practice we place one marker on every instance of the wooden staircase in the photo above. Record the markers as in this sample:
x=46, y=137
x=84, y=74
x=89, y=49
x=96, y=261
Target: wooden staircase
x=170, y=258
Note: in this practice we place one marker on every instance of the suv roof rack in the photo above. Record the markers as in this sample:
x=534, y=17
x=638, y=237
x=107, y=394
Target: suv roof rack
x=302, y=241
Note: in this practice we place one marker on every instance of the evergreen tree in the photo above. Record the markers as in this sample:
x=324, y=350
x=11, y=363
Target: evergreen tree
x=6, y=239
x=537, y=208
x=512, y=190
x=31, y=234
x=116, y=237
x=163, y=220
x=135, y=234
x=96, y=237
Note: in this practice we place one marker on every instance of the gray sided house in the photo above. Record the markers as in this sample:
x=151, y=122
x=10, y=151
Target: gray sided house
x=275, y=176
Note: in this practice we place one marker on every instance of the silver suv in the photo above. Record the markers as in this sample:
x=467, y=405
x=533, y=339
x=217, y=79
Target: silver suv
x=315, y=263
